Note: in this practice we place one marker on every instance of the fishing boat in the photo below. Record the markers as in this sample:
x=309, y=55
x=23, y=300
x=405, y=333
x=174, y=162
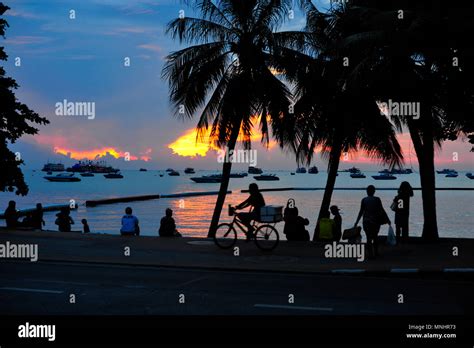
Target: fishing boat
x=86, y=174
x=189, y=171
x=445, y=171
x=143, y=170
x=313, y=170
x=238, y=175
x=63, y=177
x=266, y=177
x=207, y=179
x=384, y=176
x=358, y=175
x=113, y=176
x=470, y=175
x=53, y=167
x=351, y=170
x=173, y=173
x=452, y=175
x=401, y=171
x=254, y=170
x=301, y=170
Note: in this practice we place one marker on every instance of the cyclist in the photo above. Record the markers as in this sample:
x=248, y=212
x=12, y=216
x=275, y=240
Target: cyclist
x=255, y=201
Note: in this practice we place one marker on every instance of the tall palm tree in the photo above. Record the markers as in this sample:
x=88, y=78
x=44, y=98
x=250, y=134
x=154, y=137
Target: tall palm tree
x=335, y=110
x=411, y=60
x=227, y=75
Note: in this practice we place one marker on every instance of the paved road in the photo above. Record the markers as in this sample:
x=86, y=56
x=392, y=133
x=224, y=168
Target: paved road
x=45, y=287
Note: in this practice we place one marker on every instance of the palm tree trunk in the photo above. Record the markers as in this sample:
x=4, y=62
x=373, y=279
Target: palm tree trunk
x=226, y=168
x=428, y=190
x=334, y=159
x=424, y=149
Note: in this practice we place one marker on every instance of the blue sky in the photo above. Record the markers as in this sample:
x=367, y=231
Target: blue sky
x=82, y=59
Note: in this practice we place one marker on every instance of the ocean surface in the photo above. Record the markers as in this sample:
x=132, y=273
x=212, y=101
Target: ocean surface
x=193, y=214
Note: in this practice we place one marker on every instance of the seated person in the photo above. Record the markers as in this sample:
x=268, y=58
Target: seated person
x=85, y=226
x=11, y=215
x=130, y=225
x=256, y=202
x=294, y=224
x=64, y=220
x=168, y=225
x=325, y=228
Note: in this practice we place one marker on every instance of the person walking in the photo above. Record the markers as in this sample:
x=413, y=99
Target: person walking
x=374, y=215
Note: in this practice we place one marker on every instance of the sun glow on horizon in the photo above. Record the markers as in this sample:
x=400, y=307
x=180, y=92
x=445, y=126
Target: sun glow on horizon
x=189, y=145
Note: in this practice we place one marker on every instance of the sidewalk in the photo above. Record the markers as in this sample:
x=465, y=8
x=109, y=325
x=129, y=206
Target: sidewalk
x=202, y=253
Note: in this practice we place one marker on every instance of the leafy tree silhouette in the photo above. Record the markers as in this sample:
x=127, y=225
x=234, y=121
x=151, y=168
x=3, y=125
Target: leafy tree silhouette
x=15, y=119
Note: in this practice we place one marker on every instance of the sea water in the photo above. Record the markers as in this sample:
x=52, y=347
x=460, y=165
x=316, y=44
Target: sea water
x=193, y=214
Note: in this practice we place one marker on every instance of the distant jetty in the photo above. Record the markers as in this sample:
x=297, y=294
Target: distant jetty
x=94, y=203
x=55, y=207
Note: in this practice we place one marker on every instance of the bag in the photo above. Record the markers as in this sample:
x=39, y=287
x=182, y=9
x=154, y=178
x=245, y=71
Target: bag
x=351, y=232
x=394, y=204
x=391, y=239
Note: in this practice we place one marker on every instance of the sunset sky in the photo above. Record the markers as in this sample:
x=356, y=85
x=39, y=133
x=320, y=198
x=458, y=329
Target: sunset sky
x=82, y=60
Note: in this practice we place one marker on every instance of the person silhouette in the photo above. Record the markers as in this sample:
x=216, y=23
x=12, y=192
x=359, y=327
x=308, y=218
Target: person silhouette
x=374, y=215
x=401, y=206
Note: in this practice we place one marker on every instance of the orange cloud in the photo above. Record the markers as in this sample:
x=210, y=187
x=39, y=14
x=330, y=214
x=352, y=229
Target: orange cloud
x=99, y=153
x=189, y=145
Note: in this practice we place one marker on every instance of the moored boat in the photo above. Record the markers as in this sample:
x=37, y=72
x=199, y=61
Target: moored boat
x=207, y=179
x=143, y=170
x=53, y=167
x=470, y=175
x=173, y=173
x=189, y=171
x=452, y=175
x=384, y=176
x=113, y=176
x=266, y=177
x=63, y=177
x=301, y=170
x=98, y=167
x=446, y=171
x=255, y=170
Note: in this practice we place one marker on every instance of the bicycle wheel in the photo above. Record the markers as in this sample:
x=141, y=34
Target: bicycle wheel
x=266, y=237
x=225, y=236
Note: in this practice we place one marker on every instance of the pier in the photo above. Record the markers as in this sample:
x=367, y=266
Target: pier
x=94, y=203
x=55, y=207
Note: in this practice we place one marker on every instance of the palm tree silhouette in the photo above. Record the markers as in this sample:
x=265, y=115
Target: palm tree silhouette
x=409, y=58
x=335, y=110
x=228, y=75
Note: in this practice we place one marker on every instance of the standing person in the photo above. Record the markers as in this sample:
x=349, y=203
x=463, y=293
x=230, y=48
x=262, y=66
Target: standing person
x=374, y=214
x=168, y=225
x=64, y=220
x=337, y=223
x=37, y=220
x=130, y=225
x=11, y=215
x=401, y=207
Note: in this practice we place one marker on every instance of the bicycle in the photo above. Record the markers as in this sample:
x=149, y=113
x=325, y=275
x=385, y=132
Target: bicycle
x=265, y=235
